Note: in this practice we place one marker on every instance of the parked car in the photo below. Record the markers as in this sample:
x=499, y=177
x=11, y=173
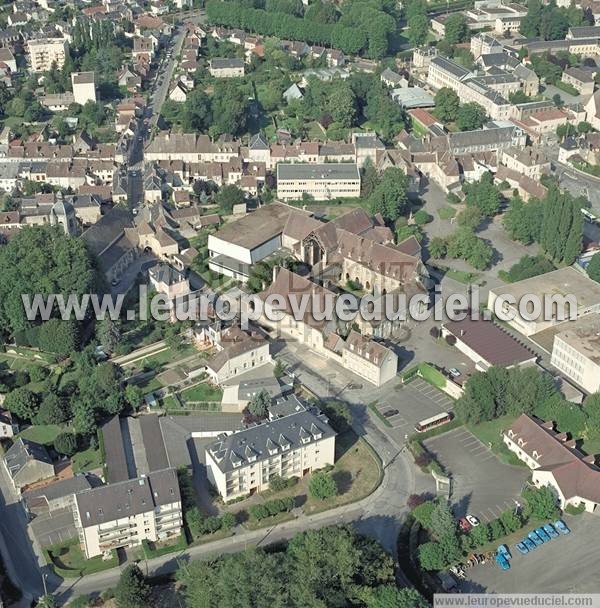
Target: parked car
x=504, y=550
x=549, y=528
x=454, y=372
x=464, y=525
x=502, y=562
x=529, y=544
x=522, y=548
x=473, y=520
x=536, y=539
x=390, y=413
x=542, y=534
x=561, y=526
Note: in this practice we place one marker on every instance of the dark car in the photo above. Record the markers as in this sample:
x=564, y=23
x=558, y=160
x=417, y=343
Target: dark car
x=390, y=413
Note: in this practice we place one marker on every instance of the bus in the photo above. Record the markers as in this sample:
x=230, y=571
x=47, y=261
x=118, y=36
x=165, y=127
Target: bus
x=431, y=423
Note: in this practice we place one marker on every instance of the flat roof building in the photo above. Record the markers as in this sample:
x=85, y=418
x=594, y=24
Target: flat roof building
x=322, y=182
x=576, y=351
x=564, y=290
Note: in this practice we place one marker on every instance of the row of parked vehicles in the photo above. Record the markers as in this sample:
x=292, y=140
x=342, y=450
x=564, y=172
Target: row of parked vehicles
x=534, y=539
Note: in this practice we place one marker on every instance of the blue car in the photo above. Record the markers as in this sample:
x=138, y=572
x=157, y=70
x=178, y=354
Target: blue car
x=503, y=550
x=549, y=528
x=561, y=526
x=522, y=548
x=536, y=539
x=529, y=544
x=542, y=534
x=502, y=562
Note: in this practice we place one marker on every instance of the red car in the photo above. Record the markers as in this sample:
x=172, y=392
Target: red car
x=464, y=525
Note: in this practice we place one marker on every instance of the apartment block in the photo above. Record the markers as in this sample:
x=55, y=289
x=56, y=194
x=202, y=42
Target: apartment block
x=242, y=463
x=322, y=182
x=576, y=352
x=123, y=514
x=226, y=68
x=43, y=52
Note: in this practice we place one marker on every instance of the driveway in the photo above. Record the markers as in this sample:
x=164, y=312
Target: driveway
x=54, y=528
x=567, y=564
x=481, y=484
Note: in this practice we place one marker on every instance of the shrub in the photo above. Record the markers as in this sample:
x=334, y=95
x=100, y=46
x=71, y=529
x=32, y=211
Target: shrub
x=66, y=443
x=575, y=510
x=322, y=485
x=421, y=217
x=414, y=500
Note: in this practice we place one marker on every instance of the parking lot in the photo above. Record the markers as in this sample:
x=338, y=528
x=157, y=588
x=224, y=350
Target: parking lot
x=567, y=564
x=413, y=402
x=55, y=528
x=481, y=484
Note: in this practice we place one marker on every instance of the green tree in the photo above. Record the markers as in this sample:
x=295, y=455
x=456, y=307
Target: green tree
x=132, y=590
x=322, y=485
x=470, y=218
x=541, y=503
x=259, y=404
x=437, y=247
x=109, y=334
x=229, y=109
x=389, y=596
x=442, y=520
x=228, y=196
x=592, y=410
x=470, y=117
x=389, y=196
x=593, y=269
x=446, y=105
x=484, y=195
x=54, y=409
x=418, y=29
x=523, y=221
x=456, y=29
x=66, y=443
x=431, y=556
x=23, y=403
x=134, y=396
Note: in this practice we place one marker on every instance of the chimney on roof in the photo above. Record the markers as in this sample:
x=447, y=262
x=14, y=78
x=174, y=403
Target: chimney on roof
x=275, y=271
x=589, y=459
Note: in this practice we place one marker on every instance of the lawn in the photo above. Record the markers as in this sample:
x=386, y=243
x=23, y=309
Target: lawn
x=255, y=524
x=446, y=213
x=490, y=433
x=87, y=460
x=44, y=434
x=202, y=392
x=150, y=550
x=462, y=276
x=566, y=87
x=68, y=560
x=357, y=473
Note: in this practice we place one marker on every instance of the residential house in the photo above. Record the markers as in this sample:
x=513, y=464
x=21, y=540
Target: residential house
x=226, y=67
x=369, y=359
x=27, y=462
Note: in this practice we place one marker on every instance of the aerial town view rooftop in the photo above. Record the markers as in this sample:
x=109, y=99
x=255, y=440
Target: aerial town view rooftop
x=299, y=303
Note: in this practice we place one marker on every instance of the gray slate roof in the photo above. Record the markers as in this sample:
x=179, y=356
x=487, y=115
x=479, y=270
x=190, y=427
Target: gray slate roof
x=284, y=434
x=127, y=498
x=22, y=452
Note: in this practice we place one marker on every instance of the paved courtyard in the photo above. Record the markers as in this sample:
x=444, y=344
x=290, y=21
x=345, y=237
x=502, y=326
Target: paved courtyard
x=481, y=484
x=54, y=528
x=567, y=564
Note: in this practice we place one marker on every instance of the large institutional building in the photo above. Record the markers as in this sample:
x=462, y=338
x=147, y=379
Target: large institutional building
x=323, y=182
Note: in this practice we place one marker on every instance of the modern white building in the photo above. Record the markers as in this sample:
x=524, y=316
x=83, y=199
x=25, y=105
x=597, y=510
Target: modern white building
x=123, y=514
x=295, y=445
x=322, y=182
x=576, y=351
x=554, y=290
x=84, y=87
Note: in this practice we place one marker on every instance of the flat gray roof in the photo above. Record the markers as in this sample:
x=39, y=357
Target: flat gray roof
x=326, y=171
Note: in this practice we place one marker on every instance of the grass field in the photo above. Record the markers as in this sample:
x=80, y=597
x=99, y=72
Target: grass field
x=68, y=560
x=202, y=392
x=44, y=434
x=446, y=213
x=87, y=460
x=490, y=433
x=357, y=473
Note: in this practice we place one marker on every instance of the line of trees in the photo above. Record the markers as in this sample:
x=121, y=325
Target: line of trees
x=352, y=40
x=333, y=566
x=555, y=223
